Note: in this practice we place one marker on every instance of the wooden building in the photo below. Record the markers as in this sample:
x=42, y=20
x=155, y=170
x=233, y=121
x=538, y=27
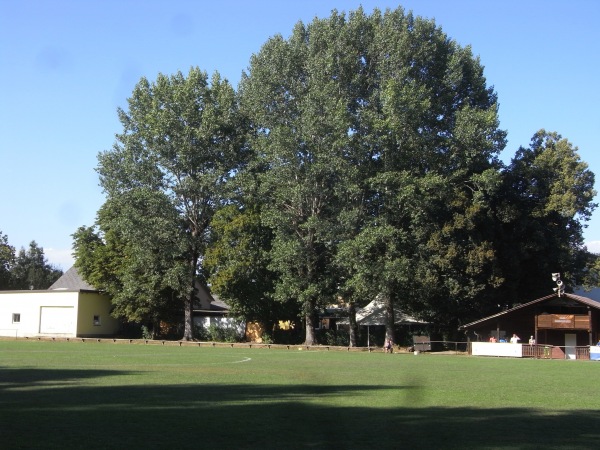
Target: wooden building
x=561, y=325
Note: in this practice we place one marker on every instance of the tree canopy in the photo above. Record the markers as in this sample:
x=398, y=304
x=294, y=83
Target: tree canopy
x=27, y=269
x=164, y=179
x=358, y=158
x=355, y=116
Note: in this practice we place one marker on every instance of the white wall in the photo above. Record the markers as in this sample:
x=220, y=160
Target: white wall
x=223, y=322
x=496, y=349
x=55, y=313
x=59, y=310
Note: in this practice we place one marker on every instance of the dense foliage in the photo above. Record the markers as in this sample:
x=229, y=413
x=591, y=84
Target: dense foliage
x=27, y=269
x=164, y=179
x=359, y=157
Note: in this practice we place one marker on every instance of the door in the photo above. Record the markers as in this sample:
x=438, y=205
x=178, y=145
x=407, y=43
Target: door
x=570, y=344
x=57, y=320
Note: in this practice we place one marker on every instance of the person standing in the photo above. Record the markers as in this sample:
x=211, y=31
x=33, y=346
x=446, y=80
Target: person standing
x=389, y=348
x=515, y=339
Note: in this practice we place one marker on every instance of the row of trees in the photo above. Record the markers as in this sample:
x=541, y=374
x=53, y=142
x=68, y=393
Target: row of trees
x=358, y=157
x=25, y=269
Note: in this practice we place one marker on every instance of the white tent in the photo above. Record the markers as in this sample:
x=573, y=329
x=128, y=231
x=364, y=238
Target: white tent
x=375, y=314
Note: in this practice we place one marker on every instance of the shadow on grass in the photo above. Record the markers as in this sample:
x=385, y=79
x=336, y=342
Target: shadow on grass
x=45, y=409
x=28, y=377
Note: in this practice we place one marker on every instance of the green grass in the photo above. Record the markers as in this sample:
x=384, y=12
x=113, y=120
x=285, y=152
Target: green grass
x=64, y=395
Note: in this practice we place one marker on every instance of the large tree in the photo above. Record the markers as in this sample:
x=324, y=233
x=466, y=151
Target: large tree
x=166, y=175
x=296, y=94
x=356, y=118
x=545, y=200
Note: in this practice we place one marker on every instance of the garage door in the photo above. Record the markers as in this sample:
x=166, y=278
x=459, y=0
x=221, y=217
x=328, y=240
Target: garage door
x=57, y=320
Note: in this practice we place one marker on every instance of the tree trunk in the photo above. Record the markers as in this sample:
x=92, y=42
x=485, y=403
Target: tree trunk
x=188, y=325
x=352, y=322
x=310, y=329
x=188, y=306
x=389, y=319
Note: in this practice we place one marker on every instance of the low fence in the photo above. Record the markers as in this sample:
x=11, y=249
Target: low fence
x=448, y=347
x=457, y=347
x=205, y=344
x=539, y=351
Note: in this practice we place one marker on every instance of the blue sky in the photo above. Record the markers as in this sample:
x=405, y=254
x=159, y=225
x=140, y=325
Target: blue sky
x=68, y=64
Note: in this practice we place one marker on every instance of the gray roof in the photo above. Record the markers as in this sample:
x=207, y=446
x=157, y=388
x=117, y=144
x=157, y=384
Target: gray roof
x=71, y=281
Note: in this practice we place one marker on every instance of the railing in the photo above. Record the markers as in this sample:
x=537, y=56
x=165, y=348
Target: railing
x=542, y=351
x=449, y=346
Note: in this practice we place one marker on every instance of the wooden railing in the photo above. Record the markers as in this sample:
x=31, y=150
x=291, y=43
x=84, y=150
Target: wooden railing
x=553, y=351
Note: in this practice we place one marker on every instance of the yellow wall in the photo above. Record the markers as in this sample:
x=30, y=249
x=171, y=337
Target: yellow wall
x=94, y=304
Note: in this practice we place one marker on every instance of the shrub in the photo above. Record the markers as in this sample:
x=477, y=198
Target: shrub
x=218, y=333
x=333, y=337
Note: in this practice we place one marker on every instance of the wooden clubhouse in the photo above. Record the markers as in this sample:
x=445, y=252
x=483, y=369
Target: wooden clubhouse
x=559, y=326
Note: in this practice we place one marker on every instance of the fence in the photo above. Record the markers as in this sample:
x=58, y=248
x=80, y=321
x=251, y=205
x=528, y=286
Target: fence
x=541, y=351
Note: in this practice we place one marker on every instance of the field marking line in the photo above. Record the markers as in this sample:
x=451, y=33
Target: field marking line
x=241, y=361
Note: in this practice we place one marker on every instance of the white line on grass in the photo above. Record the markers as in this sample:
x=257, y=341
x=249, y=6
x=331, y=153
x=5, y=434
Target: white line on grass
x=241, y=361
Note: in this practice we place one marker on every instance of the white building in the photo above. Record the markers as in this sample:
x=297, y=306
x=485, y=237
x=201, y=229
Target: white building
x=69, y=308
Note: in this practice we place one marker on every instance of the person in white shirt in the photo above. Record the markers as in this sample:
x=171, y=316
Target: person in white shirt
x=515, y=339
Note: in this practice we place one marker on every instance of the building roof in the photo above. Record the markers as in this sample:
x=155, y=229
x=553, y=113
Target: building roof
x=576, y=298
x=71, y=281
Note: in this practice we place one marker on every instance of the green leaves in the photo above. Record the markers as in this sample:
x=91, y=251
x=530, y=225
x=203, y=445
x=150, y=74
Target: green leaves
x=28, y=269
x=165, y=177
x=359, y=157
x=547, y=194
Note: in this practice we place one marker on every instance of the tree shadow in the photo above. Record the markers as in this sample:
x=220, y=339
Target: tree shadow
x=11, y=378
x=61, y=414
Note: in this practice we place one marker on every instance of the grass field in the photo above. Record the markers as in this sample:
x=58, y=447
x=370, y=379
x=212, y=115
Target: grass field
x=65, y=395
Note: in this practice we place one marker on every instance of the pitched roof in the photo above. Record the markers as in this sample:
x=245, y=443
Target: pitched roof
x=375, y=314
x=578, y=298
x=71, y=281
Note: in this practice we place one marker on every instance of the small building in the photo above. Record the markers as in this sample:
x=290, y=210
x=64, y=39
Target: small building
x=209, y=309
x=560, y=325
x=68, y=308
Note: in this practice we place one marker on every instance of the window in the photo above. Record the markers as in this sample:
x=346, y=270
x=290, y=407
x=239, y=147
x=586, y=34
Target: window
x=96, y=321
x=16, y=318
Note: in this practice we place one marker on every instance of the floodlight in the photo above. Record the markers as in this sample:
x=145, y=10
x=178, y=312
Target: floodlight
x=555, y=276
